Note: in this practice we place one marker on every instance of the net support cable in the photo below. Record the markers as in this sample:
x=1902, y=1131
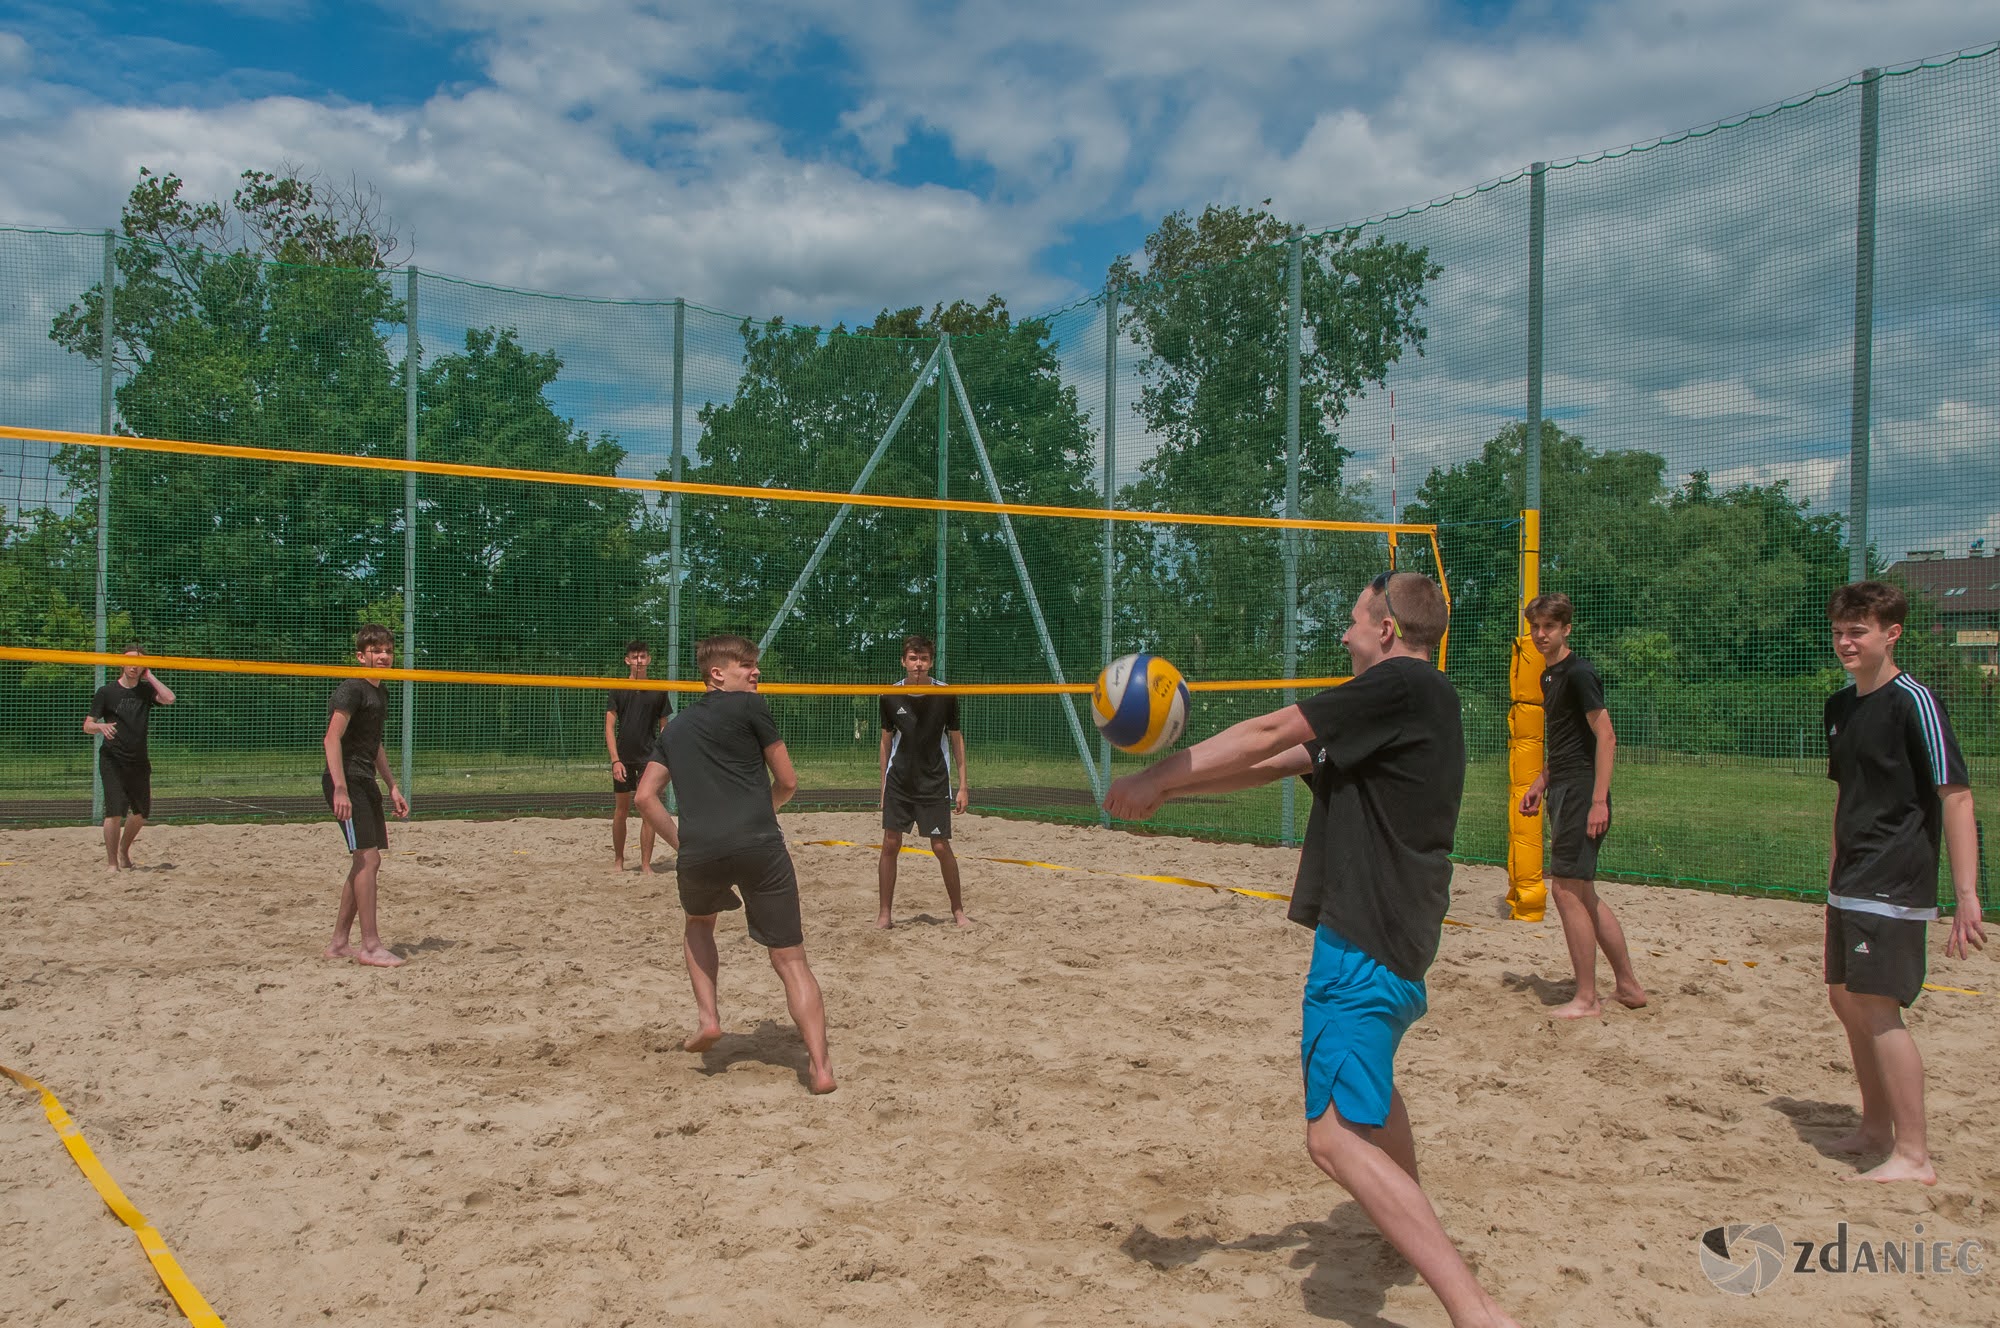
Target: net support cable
x=840, y=513
x=1021, y=571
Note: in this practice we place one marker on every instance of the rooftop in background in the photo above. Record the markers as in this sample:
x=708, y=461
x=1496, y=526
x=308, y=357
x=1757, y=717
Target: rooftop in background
x=1959, y=585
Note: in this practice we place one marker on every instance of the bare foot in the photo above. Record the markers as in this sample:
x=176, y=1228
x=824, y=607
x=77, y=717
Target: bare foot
x=1861, y=1142
x=126, y=865
x=111, y=866
x=959, y=919
x=1579, y=1009
x=338, y=950
x=618, y=867
x=646, y=869
x=379, y=957
x=1897, y=1168
x=703, y=1039
x=883, y=922
x=822, y=1080
x=1632, y=998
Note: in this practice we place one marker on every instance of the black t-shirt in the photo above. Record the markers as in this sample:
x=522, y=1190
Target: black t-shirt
x=1388, y=774
x=128, y=708
x=919, y=753
x=714, y=752
x=638, y=722
x=1890, y=751
x=1571, y=693
x=367, y=712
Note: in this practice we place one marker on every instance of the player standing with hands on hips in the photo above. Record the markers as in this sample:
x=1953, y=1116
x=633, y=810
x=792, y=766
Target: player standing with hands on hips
x=1385, y=759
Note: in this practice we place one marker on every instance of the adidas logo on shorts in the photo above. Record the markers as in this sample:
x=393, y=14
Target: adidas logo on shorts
x=1861, y=948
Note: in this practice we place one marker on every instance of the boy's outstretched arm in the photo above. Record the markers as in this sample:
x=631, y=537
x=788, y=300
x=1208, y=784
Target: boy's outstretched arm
x=1232, y=752
x=647, y=802
x=1961, y=837
x=784, y=779
x=1290, y=763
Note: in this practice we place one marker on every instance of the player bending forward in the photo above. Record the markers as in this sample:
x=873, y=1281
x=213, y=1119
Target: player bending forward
x=1385, y=758
x=724, y=754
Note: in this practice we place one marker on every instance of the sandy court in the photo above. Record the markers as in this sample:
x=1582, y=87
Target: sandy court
x=1083, y=1111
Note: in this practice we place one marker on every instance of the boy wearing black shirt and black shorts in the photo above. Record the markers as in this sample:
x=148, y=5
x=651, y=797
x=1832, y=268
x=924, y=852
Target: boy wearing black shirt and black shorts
x=1903, y=787
x=1575, y=786
x=917, y=768
x=723, y=752
x=356, y=717
x=1385, y=759
x=118, y=714
x=631, y=725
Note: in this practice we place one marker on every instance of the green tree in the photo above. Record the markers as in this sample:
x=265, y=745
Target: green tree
x=809, y=411
x=257, y=321
x=1209, y=311
x=1705, y=608
x=518, y=576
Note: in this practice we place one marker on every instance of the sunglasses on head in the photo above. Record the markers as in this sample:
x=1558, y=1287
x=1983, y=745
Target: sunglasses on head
x=1380, y=585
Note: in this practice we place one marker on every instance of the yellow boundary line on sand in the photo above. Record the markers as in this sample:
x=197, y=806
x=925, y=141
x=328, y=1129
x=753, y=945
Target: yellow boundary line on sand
x=277, y=669
x=197, y=1309
x=1231, y=889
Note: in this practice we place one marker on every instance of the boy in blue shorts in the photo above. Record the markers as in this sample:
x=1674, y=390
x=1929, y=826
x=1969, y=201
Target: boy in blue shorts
x=1903, y=787
x=1385, y=759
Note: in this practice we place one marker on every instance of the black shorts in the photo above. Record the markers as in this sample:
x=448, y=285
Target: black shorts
x=1572, y=852
x=770, y=892
x=928, y=816
x=630, y=784
x=1872, y=955
x=368, y=827
x=128, y=786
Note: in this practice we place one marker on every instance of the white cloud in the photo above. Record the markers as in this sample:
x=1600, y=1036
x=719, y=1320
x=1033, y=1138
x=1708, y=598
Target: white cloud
x=1714, y=400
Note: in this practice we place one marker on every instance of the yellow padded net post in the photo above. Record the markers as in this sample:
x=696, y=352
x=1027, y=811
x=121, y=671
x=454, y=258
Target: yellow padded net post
x=1527, y=893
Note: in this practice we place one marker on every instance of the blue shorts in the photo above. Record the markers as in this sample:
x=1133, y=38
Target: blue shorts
x=1356, y=1012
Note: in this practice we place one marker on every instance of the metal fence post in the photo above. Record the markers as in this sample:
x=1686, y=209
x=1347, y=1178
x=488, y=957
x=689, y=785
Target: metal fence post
x=1294, y=334
x=674, y=510
x=943, y=491
x=412, y=362
x=674, y=464
x=106, y=374
x=1527, y=892
x=1110, y=503
x=1861, y=405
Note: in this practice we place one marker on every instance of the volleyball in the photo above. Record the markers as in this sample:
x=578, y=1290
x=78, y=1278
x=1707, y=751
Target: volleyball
x=1140, y=704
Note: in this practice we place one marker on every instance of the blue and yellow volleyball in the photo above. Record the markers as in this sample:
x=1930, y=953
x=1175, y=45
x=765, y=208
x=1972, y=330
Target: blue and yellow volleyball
x=1140, y=704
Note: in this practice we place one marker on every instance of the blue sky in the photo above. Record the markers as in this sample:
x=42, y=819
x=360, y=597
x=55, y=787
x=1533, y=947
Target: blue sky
x=824, y=159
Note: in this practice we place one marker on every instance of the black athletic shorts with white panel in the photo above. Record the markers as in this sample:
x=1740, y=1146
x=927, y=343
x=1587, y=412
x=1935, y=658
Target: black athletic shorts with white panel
x=1876, y=956
x=368, y=826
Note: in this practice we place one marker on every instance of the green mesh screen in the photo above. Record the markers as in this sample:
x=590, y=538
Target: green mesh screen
x=1699, y=308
